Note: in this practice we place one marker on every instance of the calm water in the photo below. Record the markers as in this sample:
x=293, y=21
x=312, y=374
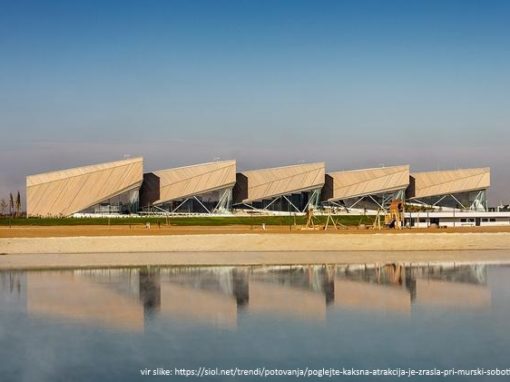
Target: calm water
x=88, y=325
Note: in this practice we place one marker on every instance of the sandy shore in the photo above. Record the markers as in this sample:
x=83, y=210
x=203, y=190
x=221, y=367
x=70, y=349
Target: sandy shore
x=124, y=260
x=257, y=242
x=251, y=249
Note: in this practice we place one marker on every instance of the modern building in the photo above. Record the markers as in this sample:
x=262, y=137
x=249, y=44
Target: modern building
x=368, y=189
x=290, y=188
x=450, y=190
x=201, y=188
x=442, y=198
x=102, y=188
x=455, y=218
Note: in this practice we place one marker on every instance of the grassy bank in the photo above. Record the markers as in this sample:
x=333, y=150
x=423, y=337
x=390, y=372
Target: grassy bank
x=185, y=221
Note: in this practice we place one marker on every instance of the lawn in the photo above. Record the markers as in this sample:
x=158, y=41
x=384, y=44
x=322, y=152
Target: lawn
x=351, y=220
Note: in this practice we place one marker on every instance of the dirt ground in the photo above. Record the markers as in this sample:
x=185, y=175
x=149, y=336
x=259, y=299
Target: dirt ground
x=155, y=230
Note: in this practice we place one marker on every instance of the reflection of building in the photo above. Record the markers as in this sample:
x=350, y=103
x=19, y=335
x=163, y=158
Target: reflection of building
x=449, y=295
x=201, y=295
x=197, y=305
x=75, y=298
x=456, y=189
x=102, y=188
x=149, y=287
x=396, y=288
x=465, y=274
x=201, y=188
x=290, y=188
x=301, y=292
x=275, y=299
x=370, y=189
x=124, y=299
x=371, y=297
x=240, y=287
x=451, y=287
x=383, y=288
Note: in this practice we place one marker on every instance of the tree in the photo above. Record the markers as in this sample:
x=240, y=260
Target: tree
x=18, y=204
x=11, y=204
x=3, y=206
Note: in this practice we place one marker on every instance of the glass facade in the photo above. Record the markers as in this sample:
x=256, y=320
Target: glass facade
x=125, y=203
x=369, y=202
x=362, y=204
x=296, y=202
x=473, y=201
x=219, y=201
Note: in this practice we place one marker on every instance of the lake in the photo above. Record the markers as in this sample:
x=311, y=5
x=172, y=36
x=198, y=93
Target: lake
x=117, y=324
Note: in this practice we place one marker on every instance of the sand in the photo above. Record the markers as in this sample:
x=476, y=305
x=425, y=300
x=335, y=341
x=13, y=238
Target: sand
x=124, y=260
x=254, y=248
x=258, y=242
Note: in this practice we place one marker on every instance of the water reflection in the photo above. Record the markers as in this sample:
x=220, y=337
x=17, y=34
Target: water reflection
x=301, y=293
x=79, y=298
x=126, y=299
x=395, y=288
x=465, y=288
x=201, y=298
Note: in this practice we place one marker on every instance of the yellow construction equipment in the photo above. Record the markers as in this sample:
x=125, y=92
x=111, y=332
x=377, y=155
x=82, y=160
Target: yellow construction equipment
x=395, y=217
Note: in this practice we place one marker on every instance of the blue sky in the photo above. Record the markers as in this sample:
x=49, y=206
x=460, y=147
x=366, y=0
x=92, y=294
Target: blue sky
x=352, y=83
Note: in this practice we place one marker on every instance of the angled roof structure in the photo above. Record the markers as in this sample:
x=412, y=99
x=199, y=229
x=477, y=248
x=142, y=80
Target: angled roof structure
x=65, y=192
x=434, y=183
x=269, y=183
x=356, y=183
x=182, y=182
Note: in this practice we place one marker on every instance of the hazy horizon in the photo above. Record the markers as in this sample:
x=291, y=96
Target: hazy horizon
x=268, y=83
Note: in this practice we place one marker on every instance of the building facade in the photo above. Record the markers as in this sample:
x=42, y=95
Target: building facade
x=202, y=188
x=107, y=188
x=121, y=187
x=368, y=189
x=281, y=189
x=464, y=189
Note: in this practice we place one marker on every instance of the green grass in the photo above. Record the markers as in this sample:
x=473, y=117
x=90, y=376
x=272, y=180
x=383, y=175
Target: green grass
x=351, y=220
